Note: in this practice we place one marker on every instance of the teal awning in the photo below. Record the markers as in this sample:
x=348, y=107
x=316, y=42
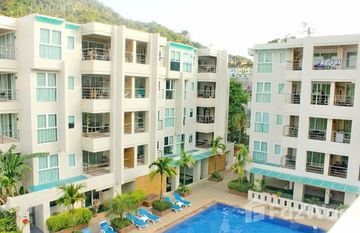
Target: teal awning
x=197, y=154
x=181, y=46
x=306, y=180
x=54, y=184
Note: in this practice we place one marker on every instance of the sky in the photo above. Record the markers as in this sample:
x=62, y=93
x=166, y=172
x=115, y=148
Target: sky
x=236, y=25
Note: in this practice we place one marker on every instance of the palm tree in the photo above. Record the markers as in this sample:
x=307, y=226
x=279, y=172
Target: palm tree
x=162, y=167
x=216, y=145
x=71, y=195
x=242, y=157
x=186, y=161
x=12, y=168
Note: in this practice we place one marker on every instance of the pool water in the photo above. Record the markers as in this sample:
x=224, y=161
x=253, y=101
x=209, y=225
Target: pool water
x=223, y=218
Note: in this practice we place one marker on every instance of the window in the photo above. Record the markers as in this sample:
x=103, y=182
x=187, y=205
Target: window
x=170, y=89
x=283, y=56
x=50, y=44
x=264, y=62
x=262, y=122
x=190, y=138
x=45, y=87
x=168, y=145
x=71, y=43
x=180, y=142
x=263, y=92
x=187, y=62
x=169, y=117
x=48, y=169
x=71, y=160
x=315, y=158
x=279, y=119
x=175, y=61
x=281, y=88
x=71, y=122
x=46, y=128
x=277, y=149
x=191, y=112
x=71, y=83
x=260, y=151
x=7, y=46
x=140, y=155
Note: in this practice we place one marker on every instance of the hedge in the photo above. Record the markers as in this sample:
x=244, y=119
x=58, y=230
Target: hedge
x=63, y=220
x=240, y=187
x=161, y=205
x=8, y=222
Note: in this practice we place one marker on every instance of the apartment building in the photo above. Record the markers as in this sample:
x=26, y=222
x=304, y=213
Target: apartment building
x=105, y=101
x=305, y=119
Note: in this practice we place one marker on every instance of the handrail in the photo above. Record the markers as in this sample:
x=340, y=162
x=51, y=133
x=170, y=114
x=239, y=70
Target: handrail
x=202, y=143
x=290, y=131
x=127, y=93
x=317, y=134
x=340, y=136
x=294, y=65
x=206, y=94
x=338, y=171
x=95, y=92
x=333, y=64
x=288, y=161
x=207, y=68
x=292, y=98
x=127, y=128
x=205, y=119
x=344, y=100
x=320, y=99
x=96, y=131
x=96, y=54
x=315, y=167
x=8, y=95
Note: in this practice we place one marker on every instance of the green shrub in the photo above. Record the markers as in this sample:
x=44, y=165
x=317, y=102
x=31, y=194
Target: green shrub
x=64, y=220
x=183, y=189
x=120, y=223
x=8, y=221
x=240, y=187
x=216, y=175
x=161, y=205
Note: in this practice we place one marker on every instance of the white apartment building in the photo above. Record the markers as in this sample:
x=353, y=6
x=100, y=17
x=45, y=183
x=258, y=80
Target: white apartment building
x=104, y=101
x=305, y=118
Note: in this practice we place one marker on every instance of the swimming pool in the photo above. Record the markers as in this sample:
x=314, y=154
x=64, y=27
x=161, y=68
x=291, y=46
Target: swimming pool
x=223, y=218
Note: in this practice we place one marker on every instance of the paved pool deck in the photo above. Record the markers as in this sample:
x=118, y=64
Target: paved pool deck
x=205, y=193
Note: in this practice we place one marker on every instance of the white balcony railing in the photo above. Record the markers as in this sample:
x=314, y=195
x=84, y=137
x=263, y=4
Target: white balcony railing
x=315, y=168
x=100, y=54
x=202, y=143
x=7, y=95
x=317, y=134
x=340, y=136
x=96, y=131
x=206, y=94
x=320, y=99
x=338, y=171
x=344, y=100
x=294, y=65
x=290, y=131
x=288, y=162
x=292, y=98
x=334, y=64
x=205, y=119
x=206, y=68
x=95, y=92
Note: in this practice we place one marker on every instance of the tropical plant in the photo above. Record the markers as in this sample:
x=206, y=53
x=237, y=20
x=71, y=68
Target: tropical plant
x=186, y=161
x=239, y=186
x=217, y=145
x=162, y=167
x=242, y=158
x=71, y=195
x=183, y=189
x=8, y=221
x=161, y=205
x=68, y=219
x=12, y=168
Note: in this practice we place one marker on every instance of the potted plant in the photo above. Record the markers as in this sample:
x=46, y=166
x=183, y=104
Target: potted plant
x=216, y=176
x=96, y=206
x=186, y=161
x=216, y=146
x=160, y=207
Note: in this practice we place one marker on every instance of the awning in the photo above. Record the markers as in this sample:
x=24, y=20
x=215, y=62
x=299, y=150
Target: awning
x=306, y=180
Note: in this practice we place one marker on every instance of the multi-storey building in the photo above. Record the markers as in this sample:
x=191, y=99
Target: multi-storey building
x=305, y=118
x=105, y=101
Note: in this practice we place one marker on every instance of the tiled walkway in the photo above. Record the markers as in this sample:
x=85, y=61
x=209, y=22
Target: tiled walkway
x=206, y=192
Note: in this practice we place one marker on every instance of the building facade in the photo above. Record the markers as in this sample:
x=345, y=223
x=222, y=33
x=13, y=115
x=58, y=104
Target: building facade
x=104, y=101
x=305, y=119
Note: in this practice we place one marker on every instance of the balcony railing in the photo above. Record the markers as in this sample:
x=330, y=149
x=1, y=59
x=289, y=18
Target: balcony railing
x=7, y=52
x=96, y=54
x=127, y=128
x=140, y=93
x=95, y=92
x=205, y=119
x=317, y=134
x=170, y=94
x=202, y=143
x=293, y=98
x=96, y=169
x=294, y=65
x=8, y=95
x=140, y=58
x=320, y=99
x=315, y=168
x=290, y=131
x=9, y=136
x=288, y=162
x=344, y=100
x=337, y=171
x=206, y=94
x=334, y=64
x=96, y=131
x=340, y=136
x=129, y=57
x=139, y=127
x=127, y=93
x=206, y=68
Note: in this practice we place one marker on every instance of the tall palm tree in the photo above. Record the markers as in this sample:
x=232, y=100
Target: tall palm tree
x=12, y=168
x=242, y=158
x=71, y=195
x=217, y=145
x=162, y=167
x=186, y=161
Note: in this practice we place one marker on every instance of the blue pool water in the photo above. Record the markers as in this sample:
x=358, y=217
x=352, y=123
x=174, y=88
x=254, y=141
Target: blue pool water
x=223, y=218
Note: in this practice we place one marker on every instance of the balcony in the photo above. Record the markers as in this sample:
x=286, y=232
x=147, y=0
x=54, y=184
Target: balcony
x=342, y=57
x=8, y=95
x=100, y=54
x=205, y=119
x=207, y=64
x=139, y=90
x=317, y=128
x=296, y=59
x=294, y=65
x=96, y=125
x=315, y=168
x=207, y=94
x=289, y=160
x=95, y=164
x=8, y=90
x=138, y=126
x=293, y=98
x=320, y=99
x=290, y=131
x=136, y=51
x=129, y=157
x=203, y=140
x=341, y=131
x=317, y=134
x=95, y=92
x=344, y=94
x=338, y=166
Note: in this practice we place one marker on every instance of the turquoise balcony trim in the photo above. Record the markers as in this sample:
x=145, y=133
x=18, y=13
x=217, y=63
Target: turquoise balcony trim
x=54, y=184
x=72, y=26
x=181, y=46
x=49, y=20
x=196, y=153
x=306, y=180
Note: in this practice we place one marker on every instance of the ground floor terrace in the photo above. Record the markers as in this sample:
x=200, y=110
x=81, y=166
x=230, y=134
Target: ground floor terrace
x=205, y=193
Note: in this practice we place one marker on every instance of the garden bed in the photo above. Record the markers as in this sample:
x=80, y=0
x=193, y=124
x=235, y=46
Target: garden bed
x=160, y=213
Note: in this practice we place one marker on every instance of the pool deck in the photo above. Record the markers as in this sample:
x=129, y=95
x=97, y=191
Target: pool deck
x=205, y=193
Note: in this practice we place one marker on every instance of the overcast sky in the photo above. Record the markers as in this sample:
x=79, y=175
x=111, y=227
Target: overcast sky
x=236, y=25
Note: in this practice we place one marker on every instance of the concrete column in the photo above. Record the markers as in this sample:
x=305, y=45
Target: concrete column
x=42, y=213
x=298, y=192
x=328, y=129
x=204, y=168
x=134, y=51
x=326, y=163
x=133, y=92
x=332, y=94
x=349, y=198
x=197, y=171
x=327, y=196
x=175, y=180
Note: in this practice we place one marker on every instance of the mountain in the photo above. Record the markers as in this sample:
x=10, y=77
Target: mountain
x=239, y=61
